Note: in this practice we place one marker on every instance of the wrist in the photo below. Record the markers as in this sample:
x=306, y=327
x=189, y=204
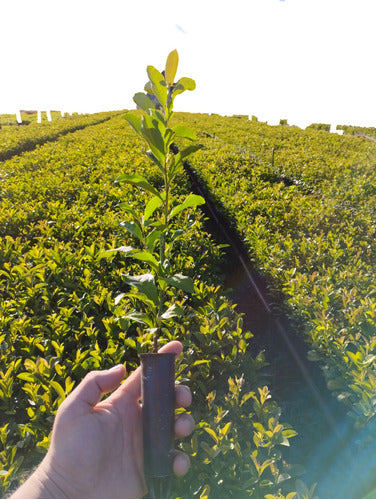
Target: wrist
x=41, y=484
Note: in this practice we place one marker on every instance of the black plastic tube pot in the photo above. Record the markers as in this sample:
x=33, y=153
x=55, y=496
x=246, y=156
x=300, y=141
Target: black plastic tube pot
x=158, y=413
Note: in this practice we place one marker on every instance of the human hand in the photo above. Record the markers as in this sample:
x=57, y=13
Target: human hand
x=96, y=446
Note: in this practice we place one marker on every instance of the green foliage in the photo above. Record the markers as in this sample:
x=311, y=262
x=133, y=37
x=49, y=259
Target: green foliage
x=15, y=140
x=61, y=308
x=319, y=126
x=308, y=222
x=152, y=230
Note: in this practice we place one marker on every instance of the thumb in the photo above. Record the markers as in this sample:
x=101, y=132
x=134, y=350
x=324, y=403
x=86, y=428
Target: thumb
x=90, y=391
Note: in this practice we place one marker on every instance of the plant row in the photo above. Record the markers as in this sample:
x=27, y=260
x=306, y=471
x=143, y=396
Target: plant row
x=15, y=140
x=308, y=222
x=61, y=315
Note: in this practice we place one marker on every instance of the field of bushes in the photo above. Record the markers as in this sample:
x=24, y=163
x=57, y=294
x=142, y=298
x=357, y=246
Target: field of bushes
x=60, y=212
x=308, y=221
x=303, y=203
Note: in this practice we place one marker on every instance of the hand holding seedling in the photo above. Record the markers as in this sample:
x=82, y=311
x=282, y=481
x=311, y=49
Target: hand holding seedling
x=96, y=446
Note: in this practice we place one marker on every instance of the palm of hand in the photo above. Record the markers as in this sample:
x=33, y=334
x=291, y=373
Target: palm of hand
x=107, y=446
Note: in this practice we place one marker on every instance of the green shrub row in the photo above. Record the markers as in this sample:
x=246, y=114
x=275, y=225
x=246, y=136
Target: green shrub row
x=60, y=317
x=16, y=140
x=309, y=225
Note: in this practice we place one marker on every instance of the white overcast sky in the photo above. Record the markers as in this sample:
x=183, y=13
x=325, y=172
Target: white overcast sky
x=303, y=60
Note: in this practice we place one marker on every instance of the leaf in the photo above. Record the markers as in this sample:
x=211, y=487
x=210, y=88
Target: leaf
x=153, y=131
x=226, y=428
x=182, y=85
x=148, y=258
x=211, y=433
x=181, y=282
x=154, y=159
x=192, y=200
x=158, y=84
x=133, y=228
x=151, y=206
x=134, y=121
x=143, y=101
x=139, y=181
x=60, y=391
x=259, y=427
x=184, y=132
x=127, y=208
x=139, y=317
x=118, y=298
x=289, y=433
x=29, y=365
x=152, y=239
x=190, y=150
x=144, y=283
x=27, y=377
x=171, y=67
x=173, y=311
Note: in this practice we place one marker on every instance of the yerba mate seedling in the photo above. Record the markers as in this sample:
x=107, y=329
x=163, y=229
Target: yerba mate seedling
x=152, y=229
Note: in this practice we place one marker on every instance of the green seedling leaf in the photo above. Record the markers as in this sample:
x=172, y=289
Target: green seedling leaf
x=171, y=66
x=181, y=282
x=133, y=228
x=151, y=206
x=182, y=85
x=154, y=159
x=145, y=284
x=149, y=88
x=139, y=317
x=134, y=121
x=158, y=84
x=184, y=132
x=127, y=208
x=148, y=258
x=153, y=131
x=143, y=101
x=190, y=150
x=151, y=239
x=192, y=200
x=139, y=181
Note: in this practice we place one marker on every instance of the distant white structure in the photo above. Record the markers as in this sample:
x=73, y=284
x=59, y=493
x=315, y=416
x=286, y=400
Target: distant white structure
x=18, y=117
x=39, y=116
x=333, y=130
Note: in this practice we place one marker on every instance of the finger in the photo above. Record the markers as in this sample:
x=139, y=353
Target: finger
x=96, y=383
x=183, y=396
x=184, y=425
x=133, y=383
x=181, y=463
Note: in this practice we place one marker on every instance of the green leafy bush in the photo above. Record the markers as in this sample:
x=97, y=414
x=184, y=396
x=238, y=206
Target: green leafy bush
x=312, y=237
x=59, y=316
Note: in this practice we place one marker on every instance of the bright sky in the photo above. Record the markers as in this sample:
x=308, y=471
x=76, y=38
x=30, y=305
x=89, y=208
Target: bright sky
x=302, y=60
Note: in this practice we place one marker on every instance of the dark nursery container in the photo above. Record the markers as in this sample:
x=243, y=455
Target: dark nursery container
x=158, y=416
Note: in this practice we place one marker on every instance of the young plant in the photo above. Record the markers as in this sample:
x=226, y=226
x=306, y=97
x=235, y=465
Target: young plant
x=152, y=229
x=152, y=290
